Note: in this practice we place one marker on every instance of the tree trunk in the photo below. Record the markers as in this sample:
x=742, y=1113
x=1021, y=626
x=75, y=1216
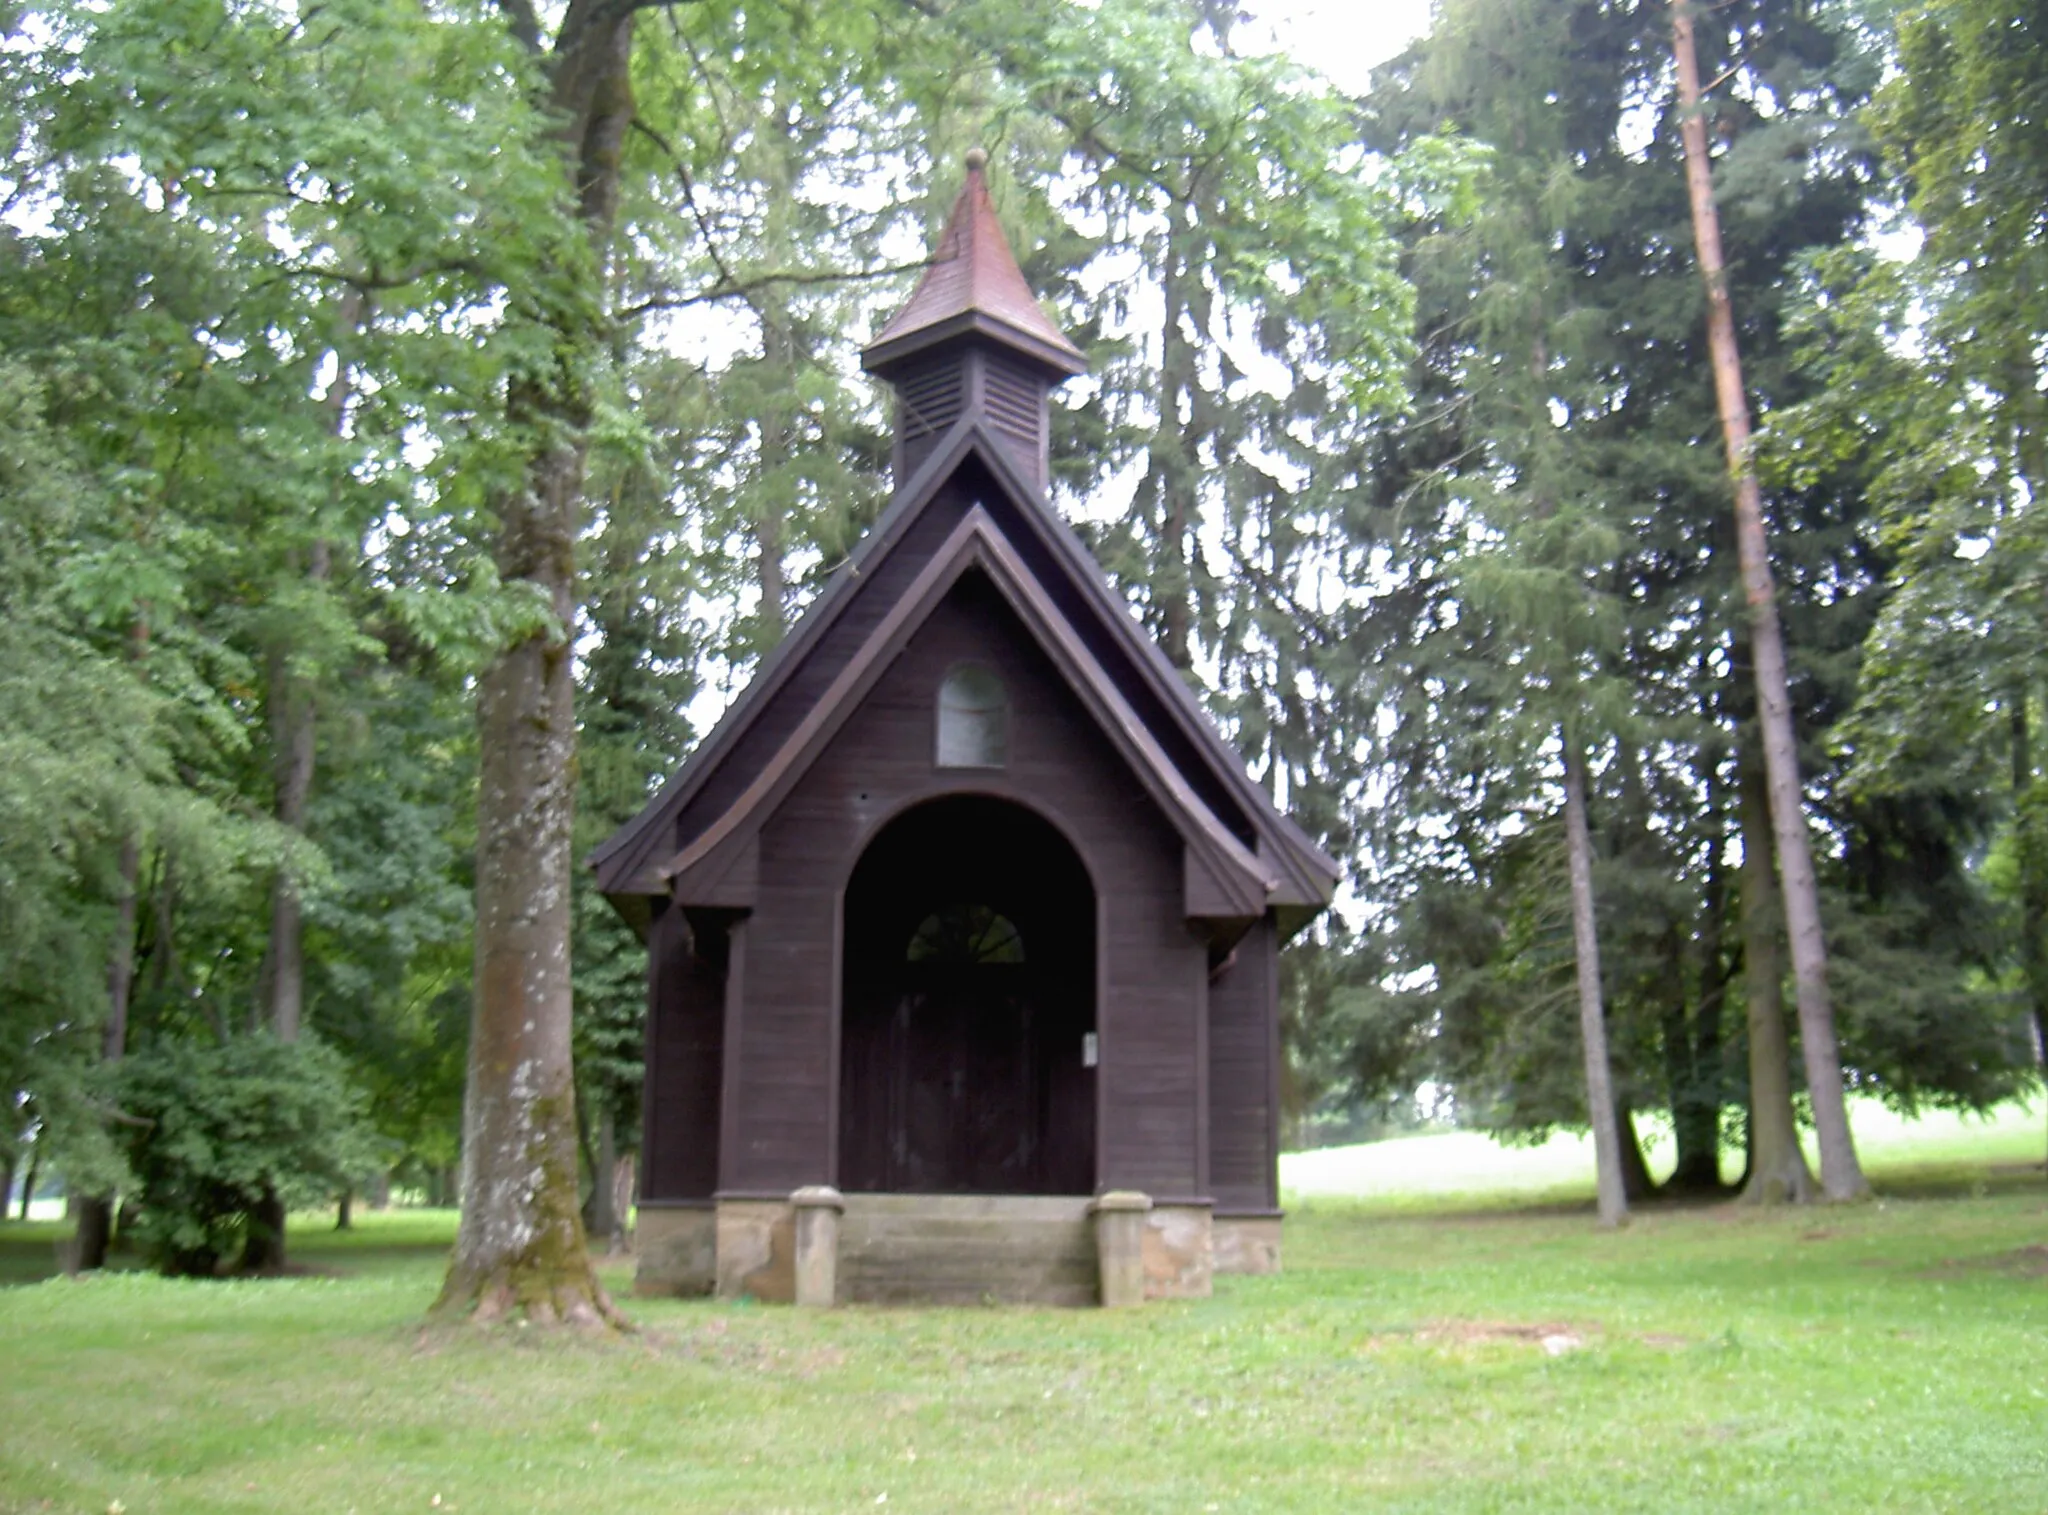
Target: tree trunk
x=35, y=1171
x=779, y=349
x=521, y=1244
x=1600, y=1108
x=1171, y=472
x=263, y=1248
x=294, y=721
x=2030, y=832
x=344, y=1211
x=1841, y=1174
x=1692, y=1057
x=293, y=724
x=1777, y=1167
x=1636, y=1183
x=96, y=1211
x=9, y=1162
x=604, y=1216
x=283, y=978
x=625, y=1179
x=1696, y=1115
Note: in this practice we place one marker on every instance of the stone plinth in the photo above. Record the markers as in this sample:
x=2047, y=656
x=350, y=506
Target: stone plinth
x=678, y=1248
x=1120, y=1227
x=818, y=1208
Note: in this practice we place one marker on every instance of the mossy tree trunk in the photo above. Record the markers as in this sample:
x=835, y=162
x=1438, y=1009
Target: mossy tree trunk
x=521, y=1247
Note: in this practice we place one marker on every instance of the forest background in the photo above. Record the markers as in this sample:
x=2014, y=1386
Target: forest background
x=334, y=387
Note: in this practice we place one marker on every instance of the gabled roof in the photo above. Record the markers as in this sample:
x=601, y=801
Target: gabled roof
x=641, y=857
x=973, y=284
x=1225, y=874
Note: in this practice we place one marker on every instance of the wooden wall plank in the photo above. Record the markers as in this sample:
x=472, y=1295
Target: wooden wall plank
x=1060, y=765
x=685, y=1057
x=1243, y=1076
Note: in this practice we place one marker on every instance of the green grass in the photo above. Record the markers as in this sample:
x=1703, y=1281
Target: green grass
x=1935, y=1150
x=1885, y=1357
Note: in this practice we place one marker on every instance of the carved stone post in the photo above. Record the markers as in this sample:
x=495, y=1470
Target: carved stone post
x=1120, y=1246
x=818, y=1208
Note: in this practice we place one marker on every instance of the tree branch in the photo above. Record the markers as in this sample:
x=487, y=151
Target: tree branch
x=740, y=289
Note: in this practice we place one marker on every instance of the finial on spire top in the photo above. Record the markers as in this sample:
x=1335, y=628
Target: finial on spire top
x=972, y=288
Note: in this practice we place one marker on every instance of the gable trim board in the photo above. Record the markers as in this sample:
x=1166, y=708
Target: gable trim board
x=635, y=860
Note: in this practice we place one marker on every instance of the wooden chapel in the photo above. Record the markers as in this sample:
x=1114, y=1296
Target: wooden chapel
x=963, y=923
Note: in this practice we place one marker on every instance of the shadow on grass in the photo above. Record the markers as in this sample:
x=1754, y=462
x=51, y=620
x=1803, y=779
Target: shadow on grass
x=389, y=1242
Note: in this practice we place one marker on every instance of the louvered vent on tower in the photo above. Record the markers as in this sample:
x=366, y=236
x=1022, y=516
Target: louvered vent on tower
x=1015, y=403
x=928, y=401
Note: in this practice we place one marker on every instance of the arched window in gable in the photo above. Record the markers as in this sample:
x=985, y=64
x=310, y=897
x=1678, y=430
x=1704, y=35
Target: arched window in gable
x=973, y=719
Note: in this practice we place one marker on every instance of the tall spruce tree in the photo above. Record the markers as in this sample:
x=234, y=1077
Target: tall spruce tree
x=1841, y=1174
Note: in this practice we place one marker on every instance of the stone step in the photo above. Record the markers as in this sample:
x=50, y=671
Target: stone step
x=886, y=1228
x=972, y=1292
x=967, y=1249
x=1073, y=1207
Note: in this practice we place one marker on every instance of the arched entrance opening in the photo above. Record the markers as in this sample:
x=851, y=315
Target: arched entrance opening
x=968, y=1004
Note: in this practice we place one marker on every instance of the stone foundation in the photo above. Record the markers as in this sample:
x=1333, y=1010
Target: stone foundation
x=1179, y=1251
x=757, y=1250
x=949, y=1249
x=1247, y=1243
x=678, y=1250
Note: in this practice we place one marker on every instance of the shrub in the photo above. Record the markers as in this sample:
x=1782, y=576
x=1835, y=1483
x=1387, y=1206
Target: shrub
x=210, y=1129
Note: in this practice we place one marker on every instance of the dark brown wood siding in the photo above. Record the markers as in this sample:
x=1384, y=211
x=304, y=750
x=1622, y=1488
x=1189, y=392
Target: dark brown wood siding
x=783, y=1120
x=1115, y=658
x=871, y=600
x=1243, y=1076
x=685, y=1053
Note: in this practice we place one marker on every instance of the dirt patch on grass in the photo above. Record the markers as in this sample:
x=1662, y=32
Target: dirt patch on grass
x=2021, y=1262
x=1554, y=1338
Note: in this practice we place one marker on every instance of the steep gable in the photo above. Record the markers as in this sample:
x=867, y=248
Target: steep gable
x=967, y=508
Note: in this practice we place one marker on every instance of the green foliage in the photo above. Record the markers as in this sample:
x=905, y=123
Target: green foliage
x=1398, y=436
x=209, y=1130
x=1932, y=368
x=1557, y=558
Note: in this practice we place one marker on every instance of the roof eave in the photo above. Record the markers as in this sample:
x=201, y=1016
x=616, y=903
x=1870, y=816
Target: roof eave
x=889, y=353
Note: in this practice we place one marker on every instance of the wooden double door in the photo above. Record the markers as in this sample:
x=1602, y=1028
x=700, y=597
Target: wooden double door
x=965, y=1050
x=963, y=1108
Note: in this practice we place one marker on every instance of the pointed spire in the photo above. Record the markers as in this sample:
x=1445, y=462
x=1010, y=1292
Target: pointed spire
x=973, y=285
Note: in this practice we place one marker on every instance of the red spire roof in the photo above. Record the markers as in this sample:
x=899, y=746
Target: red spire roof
x=973, y=284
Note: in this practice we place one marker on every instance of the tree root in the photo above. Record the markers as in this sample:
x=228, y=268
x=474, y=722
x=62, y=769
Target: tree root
x=529, y=1294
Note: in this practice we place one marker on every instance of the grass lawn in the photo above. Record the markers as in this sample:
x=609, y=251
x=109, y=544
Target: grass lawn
x=1937, y=1148
x=1892, y=1356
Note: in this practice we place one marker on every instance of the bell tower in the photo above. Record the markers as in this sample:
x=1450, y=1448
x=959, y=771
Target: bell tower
x=973, y=340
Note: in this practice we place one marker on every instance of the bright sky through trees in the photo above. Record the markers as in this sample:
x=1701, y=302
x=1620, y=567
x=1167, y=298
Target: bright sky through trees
x=1342, y=39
